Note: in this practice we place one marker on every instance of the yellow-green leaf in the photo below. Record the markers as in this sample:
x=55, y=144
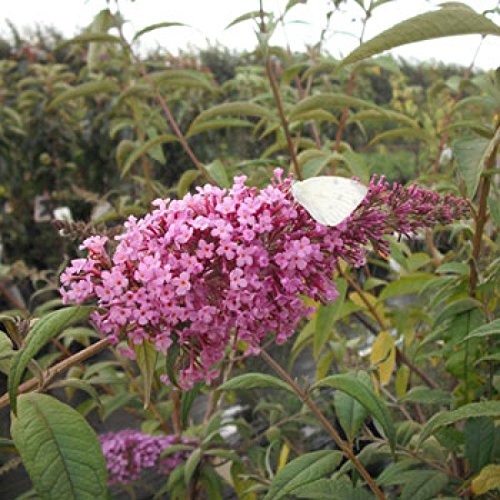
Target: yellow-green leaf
x=488, y=479
x=383, y=356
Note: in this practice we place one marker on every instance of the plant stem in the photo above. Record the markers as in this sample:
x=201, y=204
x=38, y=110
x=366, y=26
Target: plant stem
x=482, y=215
x=61, y=367
x=176, y=412
x=304, y=396
x=166, y=109
x=279, y=103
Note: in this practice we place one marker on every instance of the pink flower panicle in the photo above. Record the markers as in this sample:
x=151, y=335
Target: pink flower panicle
x=129, y=452
x=237, y=260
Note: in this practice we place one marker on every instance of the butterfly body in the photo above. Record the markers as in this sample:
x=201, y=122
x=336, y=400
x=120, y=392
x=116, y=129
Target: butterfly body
x=329, y=199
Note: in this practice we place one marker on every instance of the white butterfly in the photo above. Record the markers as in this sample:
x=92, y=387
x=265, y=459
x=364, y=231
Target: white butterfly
x=329, y=200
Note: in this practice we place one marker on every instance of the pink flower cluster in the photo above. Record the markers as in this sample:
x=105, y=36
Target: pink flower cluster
x=222, y=262
x=129, y=452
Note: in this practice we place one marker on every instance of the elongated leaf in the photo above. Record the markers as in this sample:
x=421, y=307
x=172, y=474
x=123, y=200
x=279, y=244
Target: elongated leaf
x=350, y=413
x=357, y=165
x=218, y=124
x=468, y=152
x=328, y=101
x=351, y=385
x=254, y=14
x=406, y=132
x=425, y=395
x=238, y=108
x=406, y=285
x=191, y=464
x=479, y=441
x=487, y=330
x=301, y=471
x=45, y=329
x=146, y=356
x=76, y=383
x=383, y=356
x=218, y=172
x=152, y=143
x=422, y=485
x=187, y=178
x=59, y=449
x=254, y=381
x=326, y=316
x=472, y=410
x=84, y=90
x=153, y=27
x=187, y=400
x=324, y=323
x=455, y=308
x=332, y=489
x=382, y=115
x=488, y=480
x=457, y=19
x=182, y=78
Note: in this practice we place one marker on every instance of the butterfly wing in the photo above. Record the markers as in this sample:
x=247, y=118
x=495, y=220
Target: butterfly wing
x=328, y=199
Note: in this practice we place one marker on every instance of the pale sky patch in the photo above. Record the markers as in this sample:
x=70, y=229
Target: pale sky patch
x=208, y=19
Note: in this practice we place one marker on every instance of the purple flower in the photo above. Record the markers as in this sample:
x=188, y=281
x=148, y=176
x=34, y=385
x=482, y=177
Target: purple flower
x=129, y=452
x=235, y=262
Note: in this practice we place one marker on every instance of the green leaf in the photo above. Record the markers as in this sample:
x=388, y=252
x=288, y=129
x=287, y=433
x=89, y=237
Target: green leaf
x=425, y=395
x=455, y=308
x=187, y=178
x=146, y=356
x=405, y=132
x=191, y=465
x=76, y=383
x=171, y=362
x=422, y=484
x=391, y=474
x=217, y=124
x=110, y=404
x=153, y=27
x=59, y=449
x=351, y=385
x=479, y=441
x=254, y=14
x=184, y=78
x=45, y=329
x=325, y=320
x=327, y=101
x=218, y=172
x=301, y=471
x=237, y=108
x=314, y=166
x=405, y=285
x=357, y=165
x=332, y=489
x=449, y=21
x=468, y=152
x=459, y=268
x=187, y=400
x=84, y=90
x=349, y=412
x=486, y=330
x=137, y=153
x=471, y=410
x=255, y=381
